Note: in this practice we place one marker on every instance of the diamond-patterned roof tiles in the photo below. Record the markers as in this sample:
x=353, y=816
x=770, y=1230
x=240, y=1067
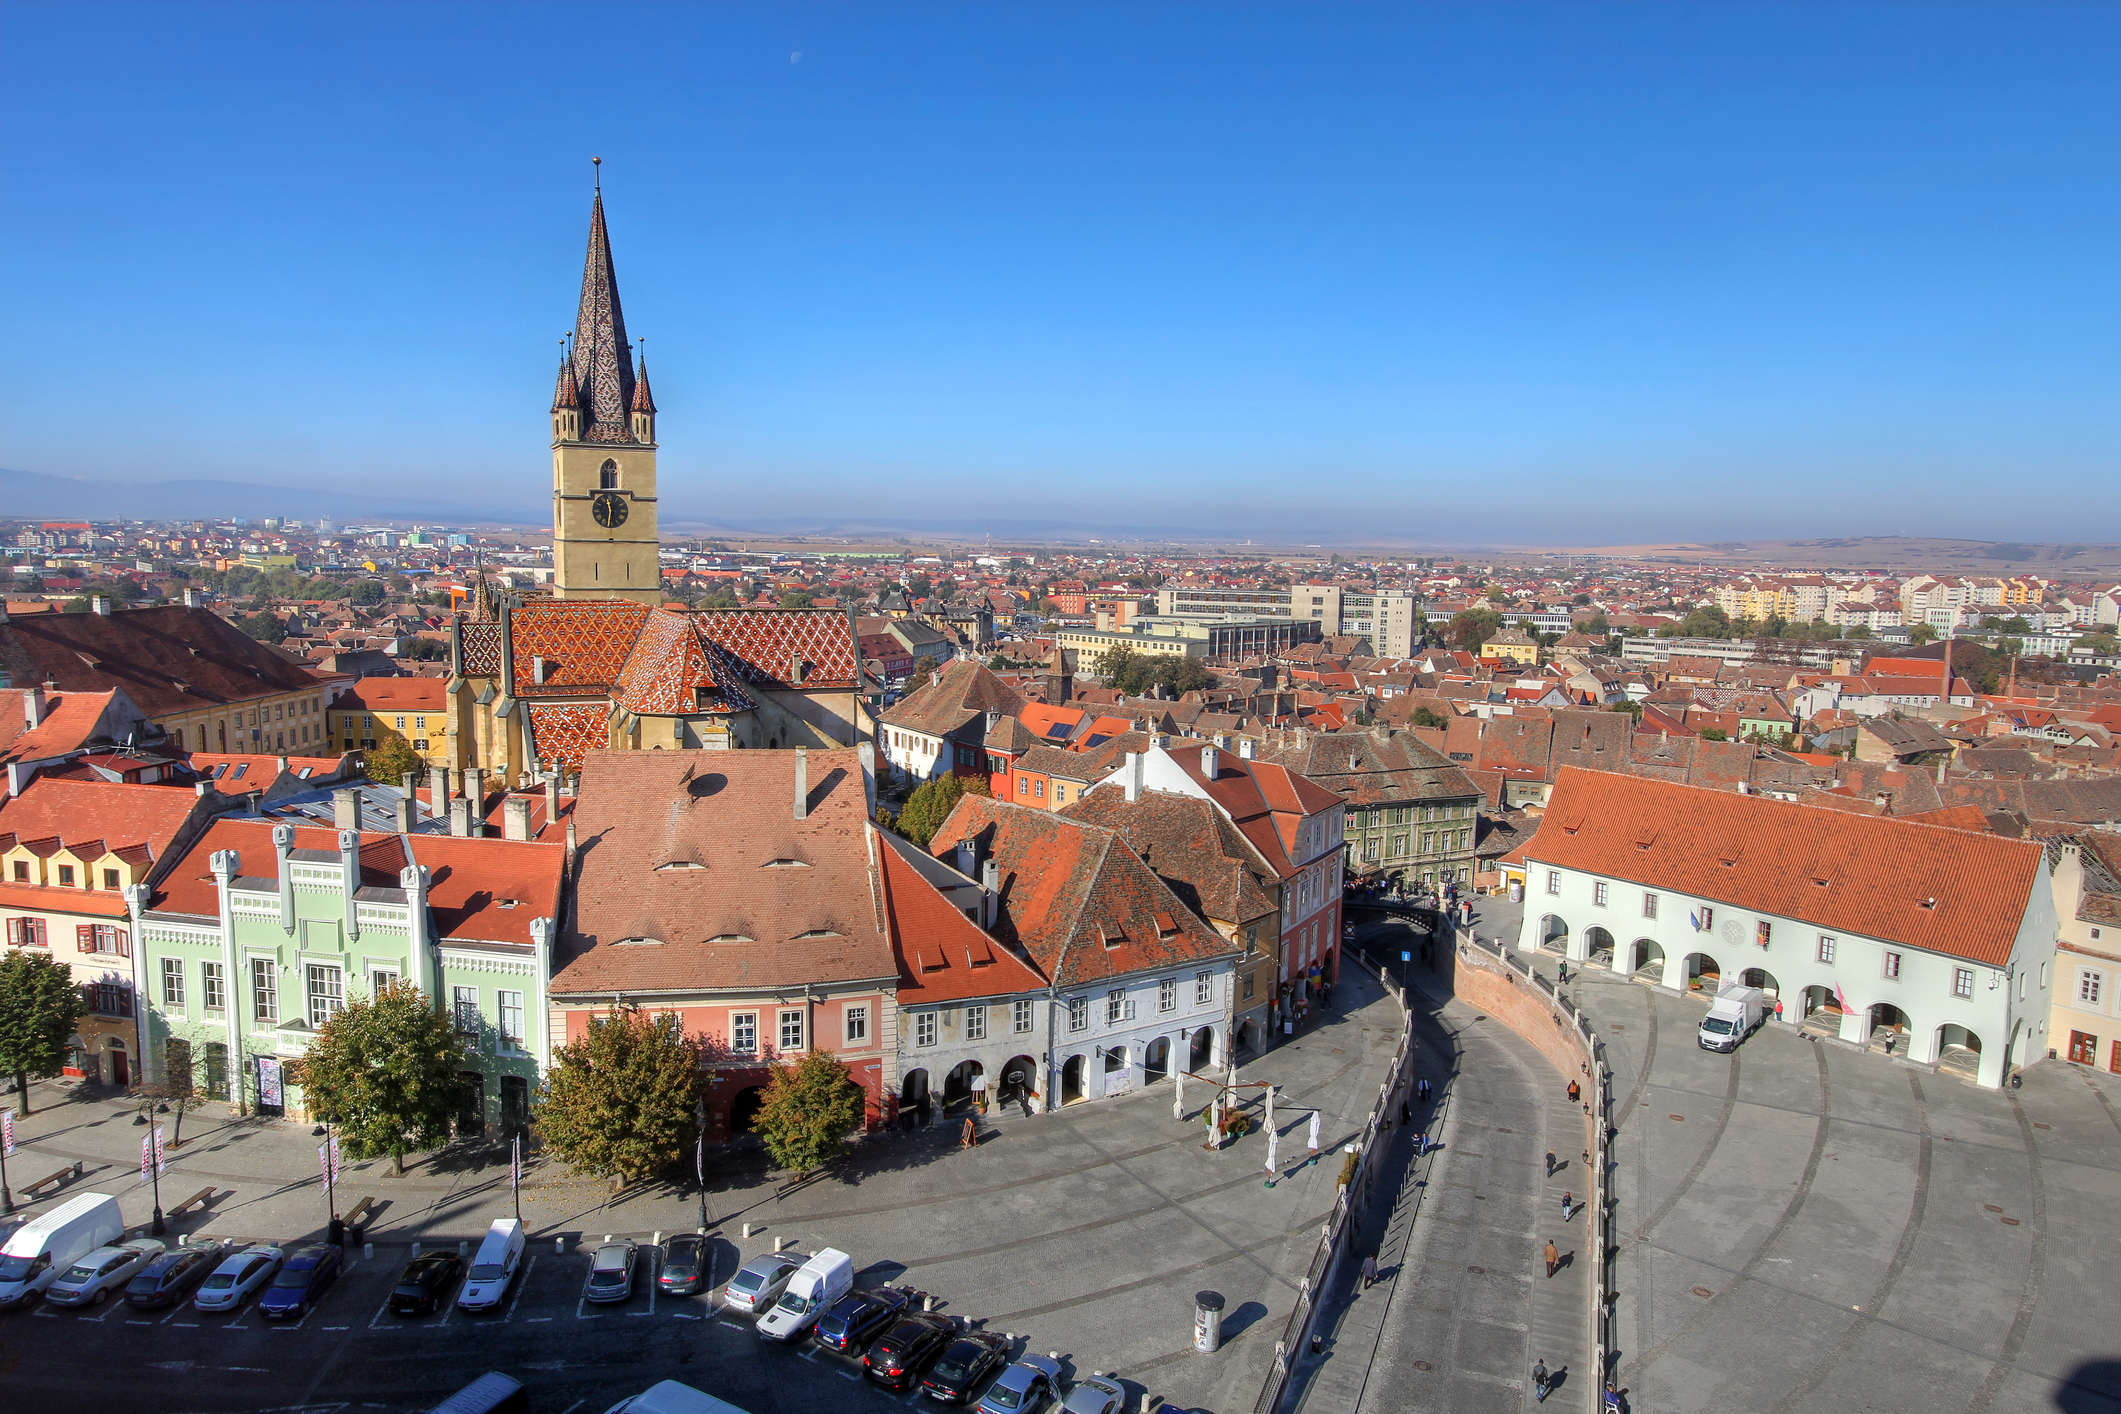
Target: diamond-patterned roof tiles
x=603, y=361
x=561, y=732
x=766, y=644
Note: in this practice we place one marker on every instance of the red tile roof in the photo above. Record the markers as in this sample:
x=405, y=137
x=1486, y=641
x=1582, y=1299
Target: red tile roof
x=67, y=723
x=77, y=812
x=167, y=658
x=1944, y=890
x=393, y=695
x=942, y=955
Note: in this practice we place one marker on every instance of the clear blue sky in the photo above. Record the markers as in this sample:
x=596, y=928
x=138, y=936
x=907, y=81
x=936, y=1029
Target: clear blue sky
x=1500, y=272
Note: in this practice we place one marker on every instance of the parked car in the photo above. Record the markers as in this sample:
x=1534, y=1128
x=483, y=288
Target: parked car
x=684, y=1265
x=90, y=1281
x=424, y=1283
x=303, y=1278
x=897, y=1359
x=165, y=1280
x=40, y=1251
x=1031, y=1386
x=230, y=1284
x=760, y=1281
x=493, y=1267
x=964, y=1366
x=1095, y=1394
x=611, y=1271
x=848, y=1323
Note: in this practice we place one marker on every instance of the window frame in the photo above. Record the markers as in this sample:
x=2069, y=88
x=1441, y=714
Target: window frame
x=464, y=1009
x=1600, y=892
x=1553, y=882
x=976, y=1023
x=1649, y=905
x=925, y=1030
x=332, y=999
x=264, y=991
x=784, y=1017
x=741, y=1022
x=1166, y=995
x=213, y=988
x=1078, y=1013
x=1115, y=1006
x=1890, y=965
x=854, y=1024
x=511, y=1040
x=173, y=983
x=1020, y=1016
x=1963, y=982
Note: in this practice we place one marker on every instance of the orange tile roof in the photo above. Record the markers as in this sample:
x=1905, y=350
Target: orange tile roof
x=120, y=815
x=942, y=955
x=68, y=723
x=393, y=695
x=1944, y=890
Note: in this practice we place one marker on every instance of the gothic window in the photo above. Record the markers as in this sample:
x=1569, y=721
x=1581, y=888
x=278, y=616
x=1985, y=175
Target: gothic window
x=608, y=478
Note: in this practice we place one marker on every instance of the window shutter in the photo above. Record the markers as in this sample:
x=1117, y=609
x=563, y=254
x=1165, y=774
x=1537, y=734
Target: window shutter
x=125, y=942
x=14, y=932
x=85, y=937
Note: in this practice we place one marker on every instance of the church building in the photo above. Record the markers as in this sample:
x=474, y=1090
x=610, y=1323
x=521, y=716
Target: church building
x=605, y=664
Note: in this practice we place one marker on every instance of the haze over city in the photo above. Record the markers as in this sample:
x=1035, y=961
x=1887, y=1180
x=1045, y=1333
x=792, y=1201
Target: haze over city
x=1606, y=275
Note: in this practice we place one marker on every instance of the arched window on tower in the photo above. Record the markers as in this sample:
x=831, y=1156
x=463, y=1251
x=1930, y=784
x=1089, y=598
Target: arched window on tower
x=608, y=478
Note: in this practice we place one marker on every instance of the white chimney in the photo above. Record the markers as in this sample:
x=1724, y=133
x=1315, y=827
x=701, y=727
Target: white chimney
x=1209, y=761
x=33, y=706
x=346, y=809
x=802, y=782
x=1244, y=748
x=515, y=818
x=990, y=882
x=99, y=605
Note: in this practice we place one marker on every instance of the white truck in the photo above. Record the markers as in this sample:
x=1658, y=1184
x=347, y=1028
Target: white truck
x=1735, y=1014
x=823, y=1280
x=39, y=1250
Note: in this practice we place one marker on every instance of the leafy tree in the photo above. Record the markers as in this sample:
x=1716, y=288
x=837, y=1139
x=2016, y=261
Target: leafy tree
x=1469, y=628
x=1496, y=595
x=931, y=804
x=400, y=584
x=1596, y=626
x=391, y=760
x=1424, y=717
x=1714, y=734
x=385, y=1074
x=367, y=592
x=2017, y=623
x=808, y=1111
x=39, y=1005
x=1049, y=606
x=263, y=626
x=1859, y=632
x=1708, y=621
x=619, y=1102
x=1921, y=634
x=1581, y=599
x=797, y=599
x=2101, y=641
x=919, y=586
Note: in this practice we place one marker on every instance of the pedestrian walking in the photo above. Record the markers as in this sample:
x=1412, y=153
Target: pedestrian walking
x=1425, y=1088
x=1553, y=1256
x=1575, y=1092
x=1550, y=1163
x=1612, y=1399
x=1564, y=970
x=1369, y=1271
x=1541, y=1381
x=1421, y=1143
x=1568, y=1204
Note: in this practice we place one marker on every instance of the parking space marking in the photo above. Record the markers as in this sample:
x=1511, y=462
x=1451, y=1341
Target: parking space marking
x=131, y=1322
x=687, y=1316
x=521, y=1282
x=850, y=1374
x=187, y=1325
x=811, y=1355
x=533, y=1320
x=105, y=1313
x=175, y=1311
x=375, y=1322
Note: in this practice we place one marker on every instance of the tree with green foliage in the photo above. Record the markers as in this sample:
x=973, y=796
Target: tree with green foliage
x=1496, y=595
x=1596, y=626
x=264, y=626
x=1425, y=717
x=1857, y=633
x=931, y=804
x=1921, y=634
x=620, y=1101
x=1469, y=628
x=2017, y=623
x=1136, y=674
x=809, y=1110
x=39, y=1005
x=367, y=592
x=390, y=760
x=1707, y=621
x=1714, y=734
x=386, y=1073
x=2100, y=641
x=797, y=599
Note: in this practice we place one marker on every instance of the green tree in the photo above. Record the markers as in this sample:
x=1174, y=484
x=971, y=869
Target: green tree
x=1714, y=734
x=931, y=804
x=39, y=1005
x=1596, y=626
x=1858, y=633
x=263, y=626
x=367, y=591
x=619, y=1102
x=386, y=1074
x=1498, y=596
x=1921, y=634
x=400, y=584
x=809, y=1110
x=2017, y=623
x=797, y=599
x=391, y=760
x=1469, y=628
x=1424, y=717
x=1708, y=621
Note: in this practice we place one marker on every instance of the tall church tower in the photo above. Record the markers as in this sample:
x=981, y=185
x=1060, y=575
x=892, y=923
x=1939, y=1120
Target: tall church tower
x=603, y=448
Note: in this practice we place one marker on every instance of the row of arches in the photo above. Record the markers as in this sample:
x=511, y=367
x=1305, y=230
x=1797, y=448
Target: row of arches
x=1881, y=1026
x=1020, y=1074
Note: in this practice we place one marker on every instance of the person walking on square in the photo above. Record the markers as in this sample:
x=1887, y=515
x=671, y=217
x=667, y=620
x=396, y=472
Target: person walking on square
x=1369, y=1271
x=1575, y=1092
x=1541, y=1381
x=1553, y=1256
x=1568, y=1205
x=1550, y=1163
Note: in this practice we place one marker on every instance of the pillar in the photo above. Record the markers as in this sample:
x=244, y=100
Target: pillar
x=1675, y=970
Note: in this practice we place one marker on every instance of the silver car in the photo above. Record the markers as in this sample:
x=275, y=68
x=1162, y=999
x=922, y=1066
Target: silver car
x=237, y=1277
x=1095, y=1395
x=1030, y=1386
x=107, y=1269
x=760, y=1281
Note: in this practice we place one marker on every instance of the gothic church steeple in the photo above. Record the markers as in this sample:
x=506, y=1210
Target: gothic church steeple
x=603, y=360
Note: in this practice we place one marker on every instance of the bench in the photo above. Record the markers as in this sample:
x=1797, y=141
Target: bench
x=201, y=1199
x=359, y=1216
x=52, y=1179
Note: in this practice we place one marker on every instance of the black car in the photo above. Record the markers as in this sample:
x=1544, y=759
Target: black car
x=847, y=1323
x=896, y=1361
x=168, y=1277
x=425, y=1283
x=965, y=1364
x=684, y=1265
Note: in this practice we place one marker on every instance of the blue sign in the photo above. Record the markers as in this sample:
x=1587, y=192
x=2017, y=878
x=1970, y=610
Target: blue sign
x=1406, y=957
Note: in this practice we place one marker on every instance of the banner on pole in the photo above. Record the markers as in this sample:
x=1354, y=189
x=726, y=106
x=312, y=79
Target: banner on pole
x=7, y=1133
x=161, y=1154
x=328, y=1159
x=515, y=1162
x=147, y=1157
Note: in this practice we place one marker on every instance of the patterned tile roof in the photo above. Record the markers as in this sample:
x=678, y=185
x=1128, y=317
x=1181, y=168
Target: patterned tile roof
x=603, y=360
x=561, y=734
x=584, y=644
x=769, y=645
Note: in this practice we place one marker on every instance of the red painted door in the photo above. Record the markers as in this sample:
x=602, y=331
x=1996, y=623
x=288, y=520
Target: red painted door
x=2083, y=1049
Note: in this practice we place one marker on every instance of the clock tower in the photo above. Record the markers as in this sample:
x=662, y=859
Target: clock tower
x=603, y=448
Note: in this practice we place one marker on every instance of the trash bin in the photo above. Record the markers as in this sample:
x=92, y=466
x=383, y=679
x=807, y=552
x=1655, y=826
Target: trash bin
x=1207, y=1321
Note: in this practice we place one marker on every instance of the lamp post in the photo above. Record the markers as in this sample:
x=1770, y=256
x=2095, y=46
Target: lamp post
x=154, y=1139
x=324, y=1159
x=699, y=1153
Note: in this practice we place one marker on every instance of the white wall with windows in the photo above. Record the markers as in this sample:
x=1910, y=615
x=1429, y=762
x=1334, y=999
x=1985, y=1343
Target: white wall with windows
x=1936, y=1003
x=943, y=1044
x=1119, y=1034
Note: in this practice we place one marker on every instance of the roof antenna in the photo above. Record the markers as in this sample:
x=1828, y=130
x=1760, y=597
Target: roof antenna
x=598, y=164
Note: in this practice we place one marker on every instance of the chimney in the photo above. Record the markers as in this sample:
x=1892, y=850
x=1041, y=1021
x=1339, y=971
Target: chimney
x=438, y=790
x=1133, y=778
x=1942, y=762
x=990, y=883
x=191, y=598
x=570, y=836
x=202, y=788
x=345, y=807
x=410, y=784
x=408, y=813
x=802, y=782
x=515, y=818
x=33, y=705
x=350, y=862
x=475, y=788
x=537, y=669
x=1208, y=761
x=1222, y=742
x=552, y=796
x=967, y=859
x=99, y=605
x=461, y=818
x=1244, y=748
x=282, y=760
x=283, y=845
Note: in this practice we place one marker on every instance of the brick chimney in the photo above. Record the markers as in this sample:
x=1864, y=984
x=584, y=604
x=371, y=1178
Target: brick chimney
x=345, y=808
x=515, y=818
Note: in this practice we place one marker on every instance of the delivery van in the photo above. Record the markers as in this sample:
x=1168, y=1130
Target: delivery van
x=493, y=1267
x=47, y=1245
x=1735, y=1014
x=671, y=1397
x=824, y=1279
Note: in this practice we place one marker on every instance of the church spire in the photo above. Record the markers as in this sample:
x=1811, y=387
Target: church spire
x=603, y=361
x=565, y=395
x=642, y=401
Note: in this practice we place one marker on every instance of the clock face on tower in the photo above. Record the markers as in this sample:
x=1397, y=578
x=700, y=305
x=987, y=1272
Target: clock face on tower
x=609, y=509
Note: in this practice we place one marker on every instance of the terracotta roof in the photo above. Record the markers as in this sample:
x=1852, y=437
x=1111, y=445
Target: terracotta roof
x=240, y=773
x=694, y=874
x=68, y=723
x=393, y=695
x=166, y=659
x=964, y=692
x=1265, y=801
x=943, y=956
x=76, y=813
x=1074, y=897
x=1944, y=890
x=1192, y=847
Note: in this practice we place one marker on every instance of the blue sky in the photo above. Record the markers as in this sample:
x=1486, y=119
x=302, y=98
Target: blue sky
x=1493, y=273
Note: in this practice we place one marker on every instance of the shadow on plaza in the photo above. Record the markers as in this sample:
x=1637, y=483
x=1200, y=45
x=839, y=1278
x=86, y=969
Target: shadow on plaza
x=2093, y=1387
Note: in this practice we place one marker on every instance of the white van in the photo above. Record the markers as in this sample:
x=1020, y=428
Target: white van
x=671, y=1397
x=823, y=1280
x=45, y=1246
x=493, y=1268
x=1735, y=1014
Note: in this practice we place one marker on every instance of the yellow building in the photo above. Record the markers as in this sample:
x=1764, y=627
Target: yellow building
x=376, y=709
x=603, y=449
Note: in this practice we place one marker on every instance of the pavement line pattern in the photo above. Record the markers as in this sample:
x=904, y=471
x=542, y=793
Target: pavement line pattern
x=2035, y=1269
x=2104, y=1103
x=1649, y=1058
x=1248, y=1253
x=1701, y=1160
x=1903, y=1250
